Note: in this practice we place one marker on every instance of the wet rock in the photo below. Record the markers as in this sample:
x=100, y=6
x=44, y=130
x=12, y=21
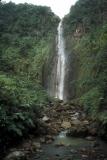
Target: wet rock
x=54, y=131
x=36, y=145
x=58, y=122
x=39, y=151
x=84, y=156
x=48, y=137
x=42, y=140
x=76, y=115
x=59, y=109
x=49, y=141
x=66, y=125
x=83, y=150
x=60, y=144
x=16, y=155
x=90, y=138
x=85, y=122
x=75, y=121
x=45, y=119
x=78, y=132
x=73, y=151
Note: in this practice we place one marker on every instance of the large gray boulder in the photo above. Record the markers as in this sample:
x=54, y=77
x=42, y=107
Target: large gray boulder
x=16, y=155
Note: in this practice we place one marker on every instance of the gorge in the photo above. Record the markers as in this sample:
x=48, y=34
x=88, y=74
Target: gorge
x=53, y=75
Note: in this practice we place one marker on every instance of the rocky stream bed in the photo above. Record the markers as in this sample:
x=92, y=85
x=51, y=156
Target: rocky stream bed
x=65, y=134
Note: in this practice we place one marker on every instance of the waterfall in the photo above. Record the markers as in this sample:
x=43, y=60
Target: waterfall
x=60, y=69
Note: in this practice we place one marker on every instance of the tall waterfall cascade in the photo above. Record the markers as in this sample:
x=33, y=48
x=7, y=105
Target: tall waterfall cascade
x=60, y=68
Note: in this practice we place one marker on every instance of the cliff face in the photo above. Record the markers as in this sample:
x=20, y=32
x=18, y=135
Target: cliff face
x=85, y=31
x=49, y=69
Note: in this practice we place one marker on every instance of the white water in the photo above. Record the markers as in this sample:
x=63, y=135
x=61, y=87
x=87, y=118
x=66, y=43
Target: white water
x=60, y=76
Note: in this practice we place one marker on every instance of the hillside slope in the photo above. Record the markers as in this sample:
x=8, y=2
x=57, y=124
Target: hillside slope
x=85, y=31
x=27, y=34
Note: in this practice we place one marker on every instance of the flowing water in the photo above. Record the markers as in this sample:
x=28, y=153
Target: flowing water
x=60, y=69
x=75, y=142
x=71, y=149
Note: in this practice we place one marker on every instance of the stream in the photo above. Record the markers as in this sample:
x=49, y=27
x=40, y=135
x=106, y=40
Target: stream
x=68, y=141
x=70, y=148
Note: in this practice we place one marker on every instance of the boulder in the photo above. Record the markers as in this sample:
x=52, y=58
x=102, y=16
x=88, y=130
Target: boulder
x=84, y=156
x=78, y=132
x=45, y=119
x=86, y=122
x=73, y=151
x=49, y=137
x=36, y=145
x=76, y=122
x=42, y=140
x=16, y=155
x=90, y=138
x=49, y=141
x=66, y=125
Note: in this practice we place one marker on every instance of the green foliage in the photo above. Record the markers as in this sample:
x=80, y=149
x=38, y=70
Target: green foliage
x=17, y=122
x=103, y=118
x=20, y=103
x=85, y=29
x=91, y=101
x=27, y=33
x=88, y=14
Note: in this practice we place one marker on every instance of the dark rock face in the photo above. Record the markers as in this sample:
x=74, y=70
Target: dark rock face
x=70, y=76
x=48, y=74
x=52, y=81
